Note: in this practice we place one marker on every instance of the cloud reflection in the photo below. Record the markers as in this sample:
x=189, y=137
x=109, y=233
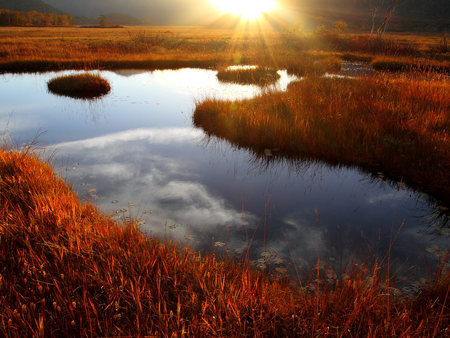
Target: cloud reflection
x=164, y=171
x=124, y=169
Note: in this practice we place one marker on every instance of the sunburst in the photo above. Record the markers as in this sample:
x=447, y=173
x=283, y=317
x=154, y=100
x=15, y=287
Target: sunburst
x=246, y=9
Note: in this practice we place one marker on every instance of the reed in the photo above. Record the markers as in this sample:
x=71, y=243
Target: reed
x=66, y=269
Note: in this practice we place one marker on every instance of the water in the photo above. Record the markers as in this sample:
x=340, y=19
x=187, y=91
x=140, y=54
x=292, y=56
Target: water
x=135, y=154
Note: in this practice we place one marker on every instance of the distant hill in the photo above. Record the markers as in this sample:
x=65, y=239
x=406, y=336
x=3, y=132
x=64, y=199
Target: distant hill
x=159, y=12
x=28, y=5
x=410, y=15
x=43, y=7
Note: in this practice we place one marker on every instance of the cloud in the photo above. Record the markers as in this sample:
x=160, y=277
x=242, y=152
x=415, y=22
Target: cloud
x=158, y=136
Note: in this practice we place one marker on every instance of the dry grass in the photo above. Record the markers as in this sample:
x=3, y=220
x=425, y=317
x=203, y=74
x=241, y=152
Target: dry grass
x=35, y=49
x=86, y=86
x=397, y=126
x=259, y=75
x=67, y=270
x=410, y=65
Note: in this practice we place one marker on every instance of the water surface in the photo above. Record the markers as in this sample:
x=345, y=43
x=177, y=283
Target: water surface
x=135, y=154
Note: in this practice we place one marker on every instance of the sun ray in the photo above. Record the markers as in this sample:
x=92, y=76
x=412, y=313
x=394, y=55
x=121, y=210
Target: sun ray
x=246, y=9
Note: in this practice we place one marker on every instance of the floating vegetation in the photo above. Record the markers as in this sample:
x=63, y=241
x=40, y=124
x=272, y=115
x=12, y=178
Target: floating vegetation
x=249, y=75
x=282, y=271
x=278, y=260
x=268, y=254
x=85, y=86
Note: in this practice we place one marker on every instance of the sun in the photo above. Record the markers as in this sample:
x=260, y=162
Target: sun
x=246, y=9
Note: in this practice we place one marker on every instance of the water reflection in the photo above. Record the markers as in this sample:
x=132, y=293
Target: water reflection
x=212, y=198
x=135, y=154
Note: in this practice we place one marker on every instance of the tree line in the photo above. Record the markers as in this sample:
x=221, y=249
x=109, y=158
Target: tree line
x=33, y=18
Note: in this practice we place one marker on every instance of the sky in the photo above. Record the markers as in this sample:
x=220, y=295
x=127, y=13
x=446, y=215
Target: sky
x=199, y=12
x=160, y=11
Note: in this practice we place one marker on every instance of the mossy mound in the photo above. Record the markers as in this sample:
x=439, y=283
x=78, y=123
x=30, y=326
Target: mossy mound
x=85, y=86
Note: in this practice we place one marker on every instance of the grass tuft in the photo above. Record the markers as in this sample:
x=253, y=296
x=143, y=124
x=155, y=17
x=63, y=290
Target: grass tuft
x=254, y=75
x=87, y=86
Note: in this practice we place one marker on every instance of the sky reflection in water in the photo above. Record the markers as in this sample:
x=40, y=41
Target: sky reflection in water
x=136, y=150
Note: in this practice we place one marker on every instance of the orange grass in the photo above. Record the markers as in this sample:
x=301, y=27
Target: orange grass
x=397, y=126
x=86, y=86
x=68, y=270
x=409, y=65
x=259, y=75
x=40, y=49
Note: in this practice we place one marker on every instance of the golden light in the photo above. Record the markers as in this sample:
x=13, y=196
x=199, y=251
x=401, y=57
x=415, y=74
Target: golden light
x=247, y=9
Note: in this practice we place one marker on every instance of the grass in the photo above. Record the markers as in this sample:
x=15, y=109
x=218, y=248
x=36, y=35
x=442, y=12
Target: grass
x=85, y=86
x=258, y=75
x=407, y=65
x=396, y=126
x=66, y=269
x=41, y=49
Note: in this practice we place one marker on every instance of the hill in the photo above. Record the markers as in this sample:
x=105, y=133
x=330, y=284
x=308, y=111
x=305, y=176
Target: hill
x=28, y=5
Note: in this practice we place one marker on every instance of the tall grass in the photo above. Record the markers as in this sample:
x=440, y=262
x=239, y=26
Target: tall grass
x=397, y=126
x=68, y=270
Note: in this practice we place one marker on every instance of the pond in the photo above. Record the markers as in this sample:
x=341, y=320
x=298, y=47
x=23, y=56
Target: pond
x=136, y=154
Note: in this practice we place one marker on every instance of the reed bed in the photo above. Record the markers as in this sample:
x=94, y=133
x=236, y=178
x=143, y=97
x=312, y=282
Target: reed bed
x=68, y=270
x=86, y=86
x=399, y=127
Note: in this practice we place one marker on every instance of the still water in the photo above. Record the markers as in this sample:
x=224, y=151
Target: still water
x=136, y=154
